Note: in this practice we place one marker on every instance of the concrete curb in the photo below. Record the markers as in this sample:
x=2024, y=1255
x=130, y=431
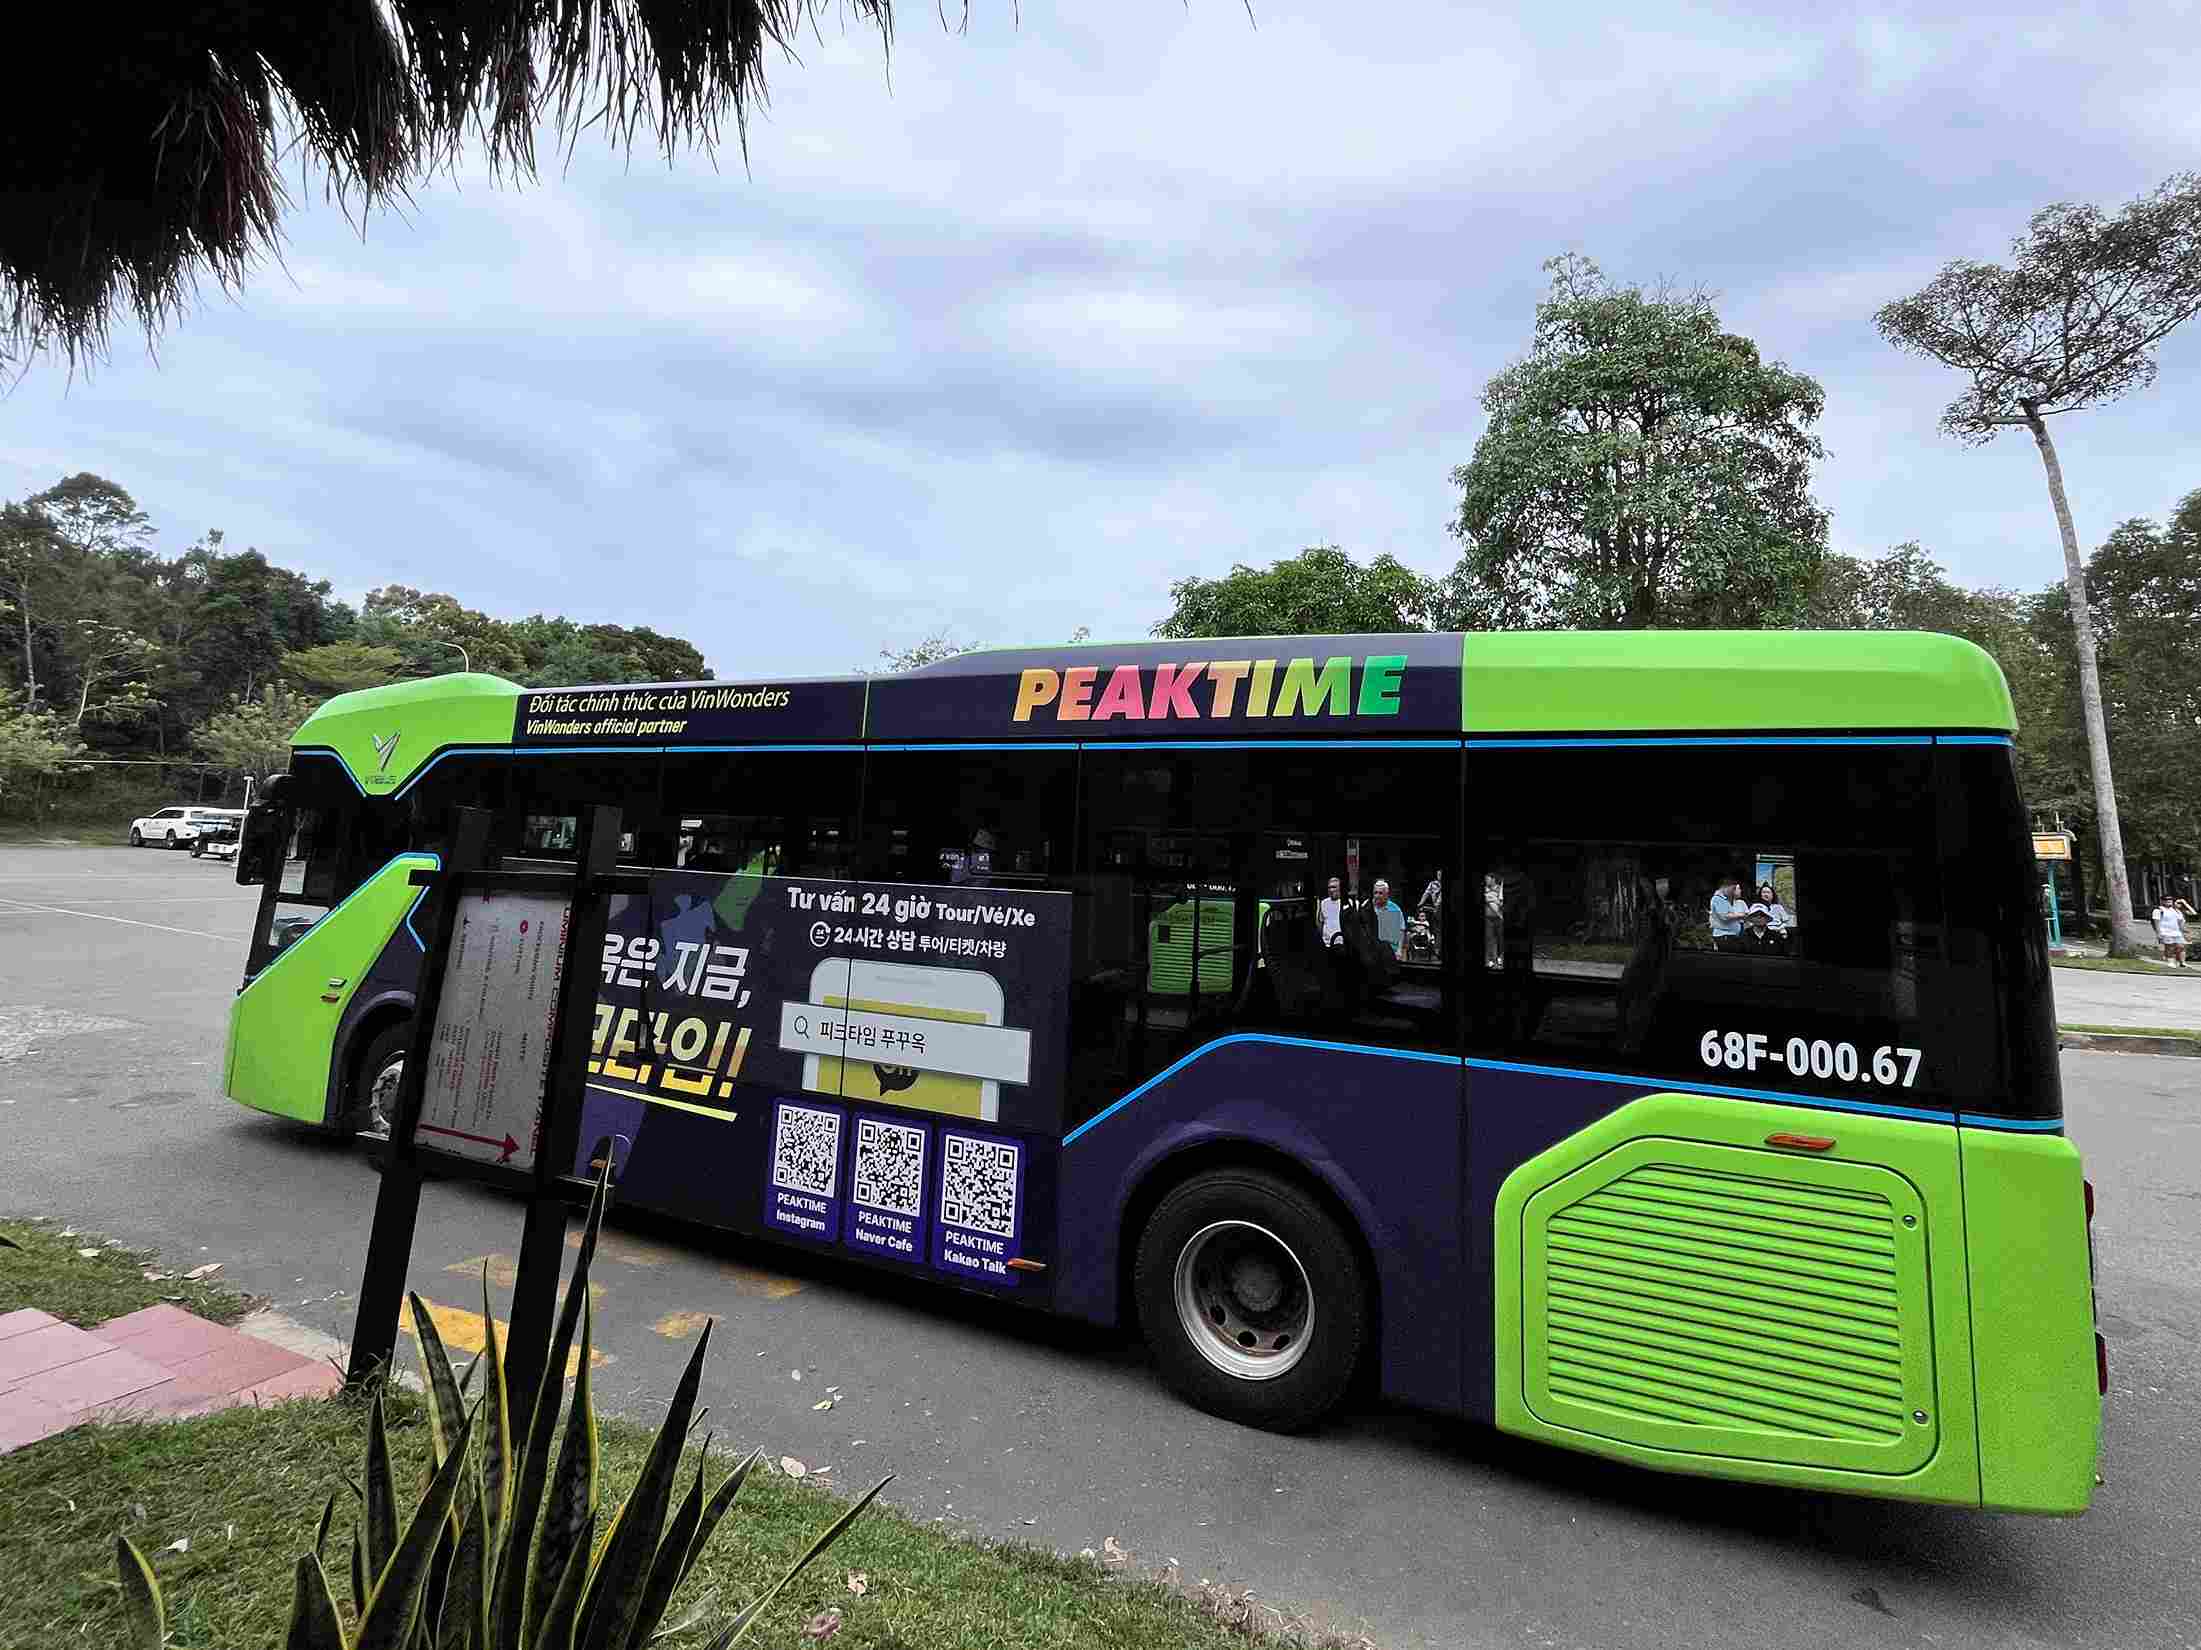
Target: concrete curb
x=2100, y=1042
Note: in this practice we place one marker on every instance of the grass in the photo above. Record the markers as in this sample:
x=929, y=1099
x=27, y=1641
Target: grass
x=244, y=1488
x=2137, y=1031
x=49, y=1270
x=2127, y=965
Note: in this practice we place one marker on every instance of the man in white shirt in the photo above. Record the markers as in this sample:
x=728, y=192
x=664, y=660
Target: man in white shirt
x=2170, y=931
x=1390, y=921
x=1727, y=913
x=1330, y=915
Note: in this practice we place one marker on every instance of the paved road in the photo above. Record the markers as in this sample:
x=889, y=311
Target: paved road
x=2087, y=997
x=115, y=969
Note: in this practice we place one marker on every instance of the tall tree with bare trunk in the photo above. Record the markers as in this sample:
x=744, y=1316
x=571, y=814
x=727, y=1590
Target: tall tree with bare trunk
x=2071, y=322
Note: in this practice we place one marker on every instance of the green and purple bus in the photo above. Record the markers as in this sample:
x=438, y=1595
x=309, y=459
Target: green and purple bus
x=1641, y=1042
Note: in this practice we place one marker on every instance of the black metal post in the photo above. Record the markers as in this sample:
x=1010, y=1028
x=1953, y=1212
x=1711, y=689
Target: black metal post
x=542, y=1243
x=397, y=1205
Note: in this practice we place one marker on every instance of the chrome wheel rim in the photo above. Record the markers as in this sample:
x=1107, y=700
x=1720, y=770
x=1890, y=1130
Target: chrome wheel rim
x=1243, y=1300
x=382, y=1096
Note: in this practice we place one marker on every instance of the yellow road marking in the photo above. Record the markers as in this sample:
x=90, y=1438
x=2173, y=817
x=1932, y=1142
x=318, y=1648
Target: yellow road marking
x=635, y=1251
x=462, y=1332
x=504, y=1272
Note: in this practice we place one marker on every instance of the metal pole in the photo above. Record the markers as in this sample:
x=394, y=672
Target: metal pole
x=397, y=1205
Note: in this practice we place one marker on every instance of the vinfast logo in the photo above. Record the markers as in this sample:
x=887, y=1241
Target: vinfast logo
x=385, y=749
x=1214, y=690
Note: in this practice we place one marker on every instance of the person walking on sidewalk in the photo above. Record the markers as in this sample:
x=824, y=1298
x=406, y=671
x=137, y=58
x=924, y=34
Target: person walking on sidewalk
x=2170, y=931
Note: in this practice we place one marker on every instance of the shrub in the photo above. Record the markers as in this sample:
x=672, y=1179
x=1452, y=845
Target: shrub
x=502, y=1550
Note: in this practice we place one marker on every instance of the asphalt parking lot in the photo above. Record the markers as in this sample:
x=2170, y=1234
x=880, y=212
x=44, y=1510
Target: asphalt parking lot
x=116, y=968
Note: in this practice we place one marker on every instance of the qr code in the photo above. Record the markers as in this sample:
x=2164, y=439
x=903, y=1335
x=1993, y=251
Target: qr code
x=806, y=1150
x=978, y=1185
x=890, y=1166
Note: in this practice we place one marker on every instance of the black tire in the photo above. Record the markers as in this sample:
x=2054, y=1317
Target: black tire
x=384, y=1058
x=198, y=847
x=171, y=840
x=1253, y=1249
x=137, y=837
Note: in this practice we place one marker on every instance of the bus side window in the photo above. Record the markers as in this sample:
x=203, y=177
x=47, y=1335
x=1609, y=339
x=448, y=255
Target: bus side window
x=547, y=793
x=1770, y=919
x=1204, y=909
x=994, y=819
x=463, y=781
x=766, y=813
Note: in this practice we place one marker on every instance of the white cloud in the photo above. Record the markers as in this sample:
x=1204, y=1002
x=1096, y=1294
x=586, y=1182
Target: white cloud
x=1082, y=304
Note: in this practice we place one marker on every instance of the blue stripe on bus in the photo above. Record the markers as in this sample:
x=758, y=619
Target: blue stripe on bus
x=1973, y=738
x=973, y=745
x=1179, y=1064
x=415, y=906
x=1701, y=739
x=1921, y=1114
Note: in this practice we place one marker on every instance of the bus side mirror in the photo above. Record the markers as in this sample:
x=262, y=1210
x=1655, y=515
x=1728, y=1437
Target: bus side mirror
x=260, y=843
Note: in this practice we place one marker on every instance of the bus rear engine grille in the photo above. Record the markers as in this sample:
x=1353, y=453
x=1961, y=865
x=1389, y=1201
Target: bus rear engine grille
x=1690, y=1297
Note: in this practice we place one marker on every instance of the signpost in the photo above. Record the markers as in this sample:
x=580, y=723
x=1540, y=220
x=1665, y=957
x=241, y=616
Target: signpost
x=492, y=1090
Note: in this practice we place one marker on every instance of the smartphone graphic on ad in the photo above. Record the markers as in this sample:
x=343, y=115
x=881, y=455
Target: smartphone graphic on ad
x=968, y=995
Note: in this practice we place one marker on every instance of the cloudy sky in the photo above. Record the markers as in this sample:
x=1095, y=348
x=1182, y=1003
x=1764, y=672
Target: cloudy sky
x=1074, y=305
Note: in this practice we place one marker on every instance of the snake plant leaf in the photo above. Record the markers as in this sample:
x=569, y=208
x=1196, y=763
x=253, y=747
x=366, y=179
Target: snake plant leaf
x=540, y=1430
x=432, y=1595
x=141, y=1600
x=314, y=1623
x=388, y=1619
x=721, y=1499
x=381, y=1531
x=359, y=1573
x=464, y=1622
x=496, y=1461
x=443, y=1387
x=321, y=1534
x=736, y=1629
x=622, y=1575
x=572, y=1497
x=671, y=1562
x=555, y=1630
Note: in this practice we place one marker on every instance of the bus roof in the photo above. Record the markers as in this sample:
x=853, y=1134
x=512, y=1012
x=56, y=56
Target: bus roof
x=1356, y=687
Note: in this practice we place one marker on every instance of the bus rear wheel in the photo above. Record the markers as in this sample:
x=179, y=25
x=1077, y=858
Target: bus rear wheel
x=1251, y=1299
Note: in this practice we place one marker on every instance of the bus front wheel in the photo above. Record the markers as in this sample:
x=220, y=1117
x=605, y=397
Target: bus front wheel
x=1251, y=1299
x=373, y=1096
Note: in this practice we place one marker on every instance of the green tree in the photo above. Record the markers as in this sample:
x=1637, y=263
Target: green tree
x=112, y=663
x=59, y=552
x=2144, y=595
x=1641, y=467
x=253, y=735
x=419, y=623
x=2071, y=322
x=34, y=744
x=343, y=667
x=1321, y=591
